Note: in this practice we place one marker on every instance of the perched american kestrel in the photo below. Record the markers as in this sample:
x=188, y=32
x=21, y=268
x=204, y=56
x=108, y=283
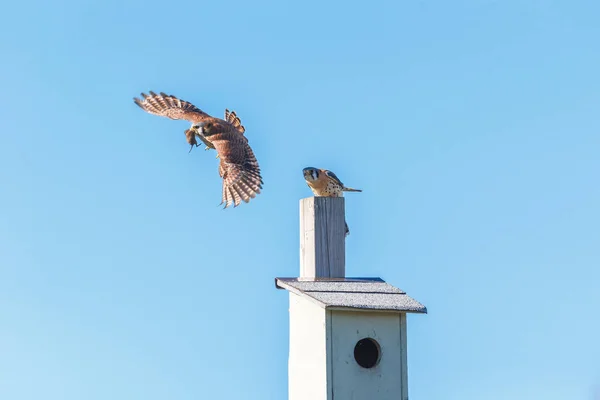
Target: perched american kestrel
x=325, y=183
x=238, y=166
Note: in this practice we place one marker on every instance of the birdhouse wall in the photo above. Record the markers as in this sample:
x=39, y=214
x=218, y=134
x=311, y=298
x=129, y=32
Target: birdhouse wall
x=322, y=363
x=308, y=366
x=387, y=380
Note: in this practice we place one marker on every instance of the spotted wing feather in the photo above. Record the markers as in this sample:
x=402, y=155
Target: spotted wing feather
x=238, y=167
x=334, y=177
x=165, y=105
x=337, y=180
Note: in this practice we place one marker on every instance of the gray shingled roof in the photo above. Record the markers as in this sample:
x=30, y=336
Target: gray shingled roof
x=352, y=293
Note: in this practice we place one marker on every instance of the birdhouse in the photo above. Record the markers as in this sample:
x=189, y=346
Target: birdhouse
x=347, y=335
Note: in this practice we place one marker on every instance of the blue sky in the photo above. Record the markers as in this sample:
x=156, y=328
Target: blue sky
x=471, y=126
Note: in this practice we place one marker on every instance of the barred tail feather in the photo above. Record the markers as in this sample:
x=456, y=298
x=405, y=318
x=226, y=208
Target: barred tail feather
x=349, y=189
x=233, y=119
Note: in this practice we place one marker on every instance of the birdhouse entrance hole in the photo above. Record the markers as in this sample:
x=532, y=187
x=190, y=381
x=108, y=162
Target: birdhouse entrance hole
x=367, y=352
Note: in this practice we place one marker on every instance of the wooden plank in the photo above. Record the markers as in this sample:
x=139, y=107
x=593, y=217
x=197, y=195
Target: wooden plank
x=349, y=379
x=322, y=237
x=404, y=357
x=308, y=368
x=329, y=355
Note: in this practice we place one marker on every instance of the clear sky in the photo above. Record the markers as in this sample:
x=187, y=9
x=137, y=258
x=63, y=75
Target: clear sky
x=471, y=126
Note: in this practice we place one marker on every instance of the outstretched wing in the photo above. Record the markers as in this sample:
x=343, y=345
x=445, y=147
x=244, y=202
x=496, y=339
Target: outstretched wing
x=239, y=168
x=165, y=105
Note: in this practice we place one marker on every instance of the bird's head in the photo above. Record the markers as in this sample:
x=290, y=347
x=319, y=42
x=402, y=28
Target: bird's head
x=310, y=174
x=207, y=128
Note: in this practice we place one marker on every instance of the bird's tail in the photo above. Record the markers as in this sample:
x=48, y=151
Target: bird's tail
x=349, y=189
x=234, y=120
x=347, y=229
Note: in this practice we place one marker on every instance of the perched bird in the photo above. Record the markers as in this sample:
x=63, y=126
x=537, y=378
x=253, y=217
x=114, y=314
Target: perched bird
x=238, y=167
x=325, y=183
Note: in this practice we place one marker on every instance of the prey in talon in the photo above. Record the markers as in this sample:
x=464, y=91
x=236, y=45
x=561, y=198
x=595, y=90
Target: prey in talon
x=192, y=133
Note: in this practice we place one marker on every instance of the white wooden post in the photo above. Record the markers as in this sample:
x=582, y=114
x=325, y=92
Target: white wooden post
x=322, y=237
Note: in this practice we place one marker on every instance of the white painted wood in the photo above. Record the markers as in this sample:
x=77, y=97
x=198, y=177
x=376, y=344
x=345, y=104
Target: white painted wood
x=403, y=356
x=322, y=237
x=329, y=344
x=350, y=380
x=308, y=367
x=321, y=359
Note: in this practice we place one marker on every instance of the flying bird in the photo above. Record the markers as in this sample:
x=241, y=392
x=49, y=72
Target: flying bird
x=325, y=183
x=238, y=167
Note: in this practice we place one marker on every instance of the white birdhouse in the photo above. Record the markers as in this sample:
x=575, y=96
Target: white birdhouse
x=347, y=338
x=347, y=335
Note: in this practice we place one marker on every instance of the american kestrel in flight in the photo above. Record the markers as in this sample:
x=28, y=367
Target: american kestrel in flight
x=325, y=183
x=238, y=167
